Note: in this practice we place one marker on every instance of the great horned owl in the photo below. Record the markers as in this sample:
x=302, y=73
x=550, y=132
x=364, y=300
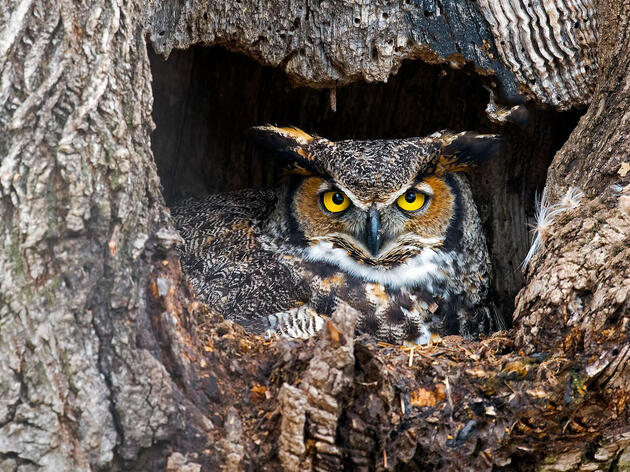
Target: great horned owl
x=387, y=226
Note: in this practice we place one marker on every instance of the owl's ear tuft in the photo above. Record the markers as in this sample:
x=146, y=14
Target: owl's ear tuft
x=460, y=151
x=288, y=144
x=275, y=137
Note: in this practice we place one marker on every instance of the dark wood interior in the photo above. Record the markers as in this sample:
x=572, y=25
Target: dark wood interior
x=207, y=98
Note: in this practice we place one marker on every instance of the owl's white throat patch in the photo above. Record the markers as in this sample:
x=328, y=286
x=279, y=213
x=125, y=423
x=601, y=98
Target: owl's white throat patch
x=422, y=269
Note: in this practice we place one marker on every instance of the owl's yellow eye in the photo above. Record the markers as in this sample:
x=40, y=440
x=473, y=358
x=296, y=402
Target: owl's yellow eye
x=335, y=201
x=411, y=200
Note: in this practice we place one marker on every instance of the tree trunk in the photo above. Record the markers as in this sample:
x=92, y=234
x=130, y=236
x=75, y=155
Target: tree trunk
x=83, y=383
x=107, y=362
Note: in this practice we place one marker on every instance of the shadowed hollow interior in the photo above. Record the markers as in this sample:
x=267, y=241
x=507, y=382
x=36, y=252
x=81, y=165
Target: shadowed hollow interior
x=205, y=99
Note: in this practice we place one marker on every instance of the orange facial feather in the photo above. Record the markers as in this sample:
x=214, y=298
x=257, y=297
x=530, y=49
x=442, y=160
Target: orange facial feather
x=435, y=220
x=308, y=210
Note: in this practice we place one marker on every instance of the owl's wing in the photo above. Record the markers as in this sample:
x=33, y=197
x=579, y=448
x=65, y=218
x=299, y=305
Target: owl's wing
x=234, y=267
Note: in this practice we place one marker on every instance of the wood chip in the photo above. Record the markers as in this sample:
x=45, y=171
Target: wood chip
x=334, y=333
x=423, y=397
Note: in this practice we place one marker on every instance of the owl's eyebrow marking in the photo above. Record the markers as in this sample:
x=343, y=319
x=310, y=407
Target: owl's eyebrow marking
x=416, y=184
x=424, y=188
x=330, y=184
x=325, y=186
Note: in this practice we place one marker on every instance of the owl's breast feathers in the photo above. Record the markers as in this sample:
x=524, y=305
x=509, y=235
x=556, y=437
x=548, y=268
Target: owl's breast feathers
x=409, y=302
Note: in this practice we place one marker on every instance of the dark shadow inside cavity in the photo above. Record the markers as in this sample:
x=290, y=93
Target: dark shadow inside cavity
x=205, y=99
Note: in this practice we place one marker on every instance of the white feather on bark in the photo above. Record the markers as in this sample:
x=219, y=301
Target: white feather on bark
x=546, y=214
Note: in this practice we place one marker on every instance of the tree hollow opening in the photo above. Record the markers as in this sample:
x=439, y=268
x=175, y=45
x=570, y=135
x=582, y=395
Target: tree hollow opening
x=205, y=99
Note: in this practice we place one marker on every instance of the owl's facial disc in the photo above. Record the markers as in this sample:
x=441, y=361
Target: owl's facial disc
x=382, y=233
x=378, y=209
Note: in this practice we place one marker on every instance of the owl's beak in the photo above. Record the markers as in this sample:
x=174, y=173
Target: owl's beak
x=373, y=236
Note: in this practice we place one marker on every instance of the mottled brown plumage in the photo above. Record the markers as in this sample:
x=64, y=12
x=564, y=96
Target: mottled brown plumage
x=387, y=226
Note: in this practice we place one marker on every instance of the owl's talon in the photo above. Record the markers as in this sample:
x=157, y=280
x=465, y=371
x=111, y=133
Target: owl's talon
x=297, y=323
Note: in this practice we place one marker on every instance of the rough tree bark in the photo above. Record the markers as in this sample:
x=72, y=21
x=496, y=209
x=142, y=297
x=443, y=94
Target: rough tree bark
x=82, y=383
x=108, y=363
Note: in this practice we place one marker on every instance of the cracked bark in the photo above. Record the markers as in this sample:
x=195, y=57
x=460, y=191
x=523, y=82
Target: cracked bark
x=108, y=363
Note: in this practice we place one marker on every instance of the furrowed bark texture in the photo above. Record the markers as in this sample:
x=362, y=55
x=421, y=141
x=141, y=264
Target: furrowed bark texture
x=589, y=278
x=108, y=363
x=550, y=46
x=578, y=295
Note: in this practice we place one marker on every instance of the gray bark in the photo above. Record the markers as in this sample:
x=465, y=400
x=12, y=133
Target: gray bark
x=544, y=50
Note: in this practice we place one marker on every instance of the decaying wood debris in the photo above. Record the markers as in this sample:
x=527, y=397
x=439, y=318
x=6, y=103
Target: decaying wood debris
x=335, y=402
x=107, y=362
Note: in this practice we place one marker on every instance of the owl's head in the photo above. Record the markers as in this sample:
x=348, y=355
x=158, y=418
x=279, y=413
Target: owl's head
x=371, y=206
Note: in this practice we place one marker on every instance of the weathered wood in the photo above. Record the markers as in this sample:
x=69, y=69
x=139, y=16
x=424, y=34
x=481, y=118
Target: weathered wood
x=81, y=384
x=541, y=49
x=549, y=46
x=594, y=293
x=328, y=44
x=578, y=292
